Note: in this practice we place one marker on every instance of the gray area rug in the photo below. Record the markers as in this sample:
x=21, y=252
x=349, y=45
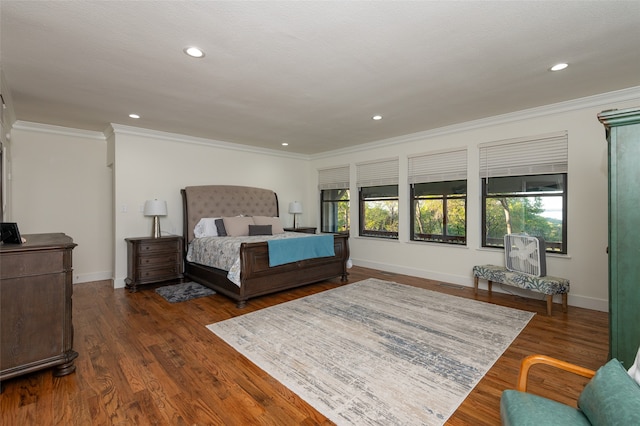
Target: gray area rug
x=376, y=352
x=183, y=292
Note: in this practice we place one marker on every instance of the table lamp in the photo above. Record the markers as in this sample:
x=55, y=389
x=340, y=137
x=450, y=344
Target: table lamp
x=295, y=208
x=155, y=208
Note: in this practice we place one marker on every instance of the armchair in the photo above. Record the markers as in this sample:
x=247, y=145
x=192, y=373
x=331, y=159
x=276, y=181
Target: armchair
x=612, y=397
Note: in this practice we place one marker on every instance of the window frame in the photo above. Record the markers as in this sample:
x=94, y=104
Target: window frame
x=336, y=202
x=392, y=235
x=551, y=247
x=445, y=196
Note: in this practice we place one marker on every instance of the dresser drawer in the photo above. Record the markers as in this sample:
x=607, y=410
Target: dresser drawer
x=26, y=264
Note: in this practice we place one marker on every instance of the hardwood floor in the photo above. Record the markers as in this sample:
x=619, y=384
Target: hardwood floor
x=144, y=361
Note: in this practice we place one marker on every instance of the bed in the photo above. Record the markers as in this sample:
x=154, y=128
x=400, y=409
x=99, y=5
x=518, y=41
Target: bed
x=256, y=277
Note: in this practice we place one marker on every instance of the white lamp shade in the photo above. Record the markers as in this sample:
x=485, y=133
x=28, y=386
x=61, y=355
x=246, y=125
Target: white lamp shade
x=295, y=207
x=155, y=208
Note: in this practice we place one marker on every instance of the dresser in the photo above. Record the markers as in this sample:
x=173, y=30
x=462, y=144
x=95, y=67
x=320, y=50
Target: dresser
x=153, y=260
x=36, y=285
x=623, y=137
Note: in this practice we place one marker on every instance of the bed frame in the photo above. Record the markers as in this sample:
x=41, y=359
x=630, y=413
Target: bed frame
x=256, y=277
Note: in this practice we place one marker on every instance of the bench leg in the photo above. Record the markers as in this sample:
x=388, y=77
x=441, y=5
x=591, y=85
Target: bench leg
x=475, y=285
x=564, y=302
x=549, y=303
x=489, y=284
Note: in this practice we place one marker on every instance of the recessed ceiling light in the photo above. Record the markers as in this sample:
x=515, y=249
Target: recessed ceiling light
x=558, y=67
x=377, y=117
x=194, y=52
x=134, y=116
x=285, y=144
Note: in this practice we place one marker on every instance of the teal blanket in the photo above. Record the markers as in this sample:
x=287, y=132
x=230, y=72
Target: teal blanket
x=291, y=250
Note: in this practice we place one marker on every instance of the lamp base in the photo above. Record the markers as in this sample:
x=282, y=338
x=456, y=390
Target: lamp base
x=155, y=231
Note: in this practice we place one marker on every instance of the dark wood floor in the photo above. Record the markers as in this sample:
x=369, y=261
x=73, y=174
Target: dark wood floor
x=144, y=361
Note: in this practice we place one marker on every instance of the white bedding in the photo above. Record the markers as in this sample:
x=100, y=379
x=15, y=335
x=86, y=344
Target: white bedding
x=224, y=252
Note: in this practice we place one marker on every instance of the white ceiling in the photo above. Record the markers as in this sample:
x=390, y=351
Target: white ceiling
x=310, y=73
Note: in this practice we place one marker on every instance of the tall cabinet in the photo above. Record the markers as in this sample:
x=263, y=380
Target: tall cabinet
x=623, y=136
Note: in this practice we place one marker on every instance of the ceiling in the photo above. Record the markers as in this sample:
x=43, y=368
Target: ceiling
x=308, y=73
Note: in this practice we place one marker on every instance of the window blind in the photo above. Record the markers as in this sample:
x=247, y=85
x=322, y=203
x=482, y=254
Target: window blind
x=377, y=173
x=543, y=154
x=438, y=166
x=334, y=178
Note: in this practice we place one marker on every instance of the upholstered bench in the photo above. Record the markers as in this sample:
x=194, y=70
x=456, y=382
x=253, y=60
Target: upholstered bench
x=547, y=285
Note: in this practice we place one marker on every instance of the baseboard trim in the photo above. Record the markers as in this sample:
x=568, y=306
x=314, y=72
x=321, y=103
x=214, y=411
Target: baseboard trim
x=94, y=276
x=467, y=281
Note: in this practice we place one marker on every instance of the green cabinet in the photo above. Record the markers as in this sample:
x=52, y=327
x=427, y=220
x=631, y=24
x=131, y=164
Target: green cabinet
x=623, y=136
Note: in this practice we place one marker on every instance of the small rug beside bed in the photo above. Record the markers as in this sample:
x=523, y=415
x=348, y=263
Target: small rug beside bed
x=183, y=292
x=377, y=352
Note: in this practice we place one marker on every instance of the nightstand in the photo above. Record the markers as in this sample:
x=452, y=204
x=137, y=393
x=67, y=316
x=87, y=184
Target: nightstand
x=303, y=229
x=153, y=260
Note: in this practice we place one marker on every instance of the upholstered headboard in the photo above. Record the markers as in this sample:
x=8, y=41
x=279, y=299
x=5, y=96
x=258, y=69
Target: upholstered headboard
x=225, y=201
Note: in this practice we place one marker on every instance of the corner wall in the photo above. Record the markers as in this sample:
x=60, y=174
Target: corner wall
x=59, y=183
x=586, y=263
x=149, y=164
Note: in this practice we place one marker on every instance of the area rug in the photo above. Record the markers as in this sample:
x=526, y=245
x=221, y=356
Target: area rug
x=377, y=352
x=183, y=292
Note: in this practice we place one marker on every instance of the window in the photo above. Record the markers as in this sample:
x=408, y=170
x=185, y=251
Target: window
x=438, y=190
x=334, y=199
x=379, y=211
x=377, y=183
x=334, y=213
x=439, y=213
x=524, y=190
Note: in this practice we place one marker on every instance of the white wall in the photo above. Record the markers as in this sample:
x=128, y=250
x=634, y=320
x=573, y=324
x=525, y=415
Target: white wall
x=586, y=262
x=60, y=183
x=150, y=165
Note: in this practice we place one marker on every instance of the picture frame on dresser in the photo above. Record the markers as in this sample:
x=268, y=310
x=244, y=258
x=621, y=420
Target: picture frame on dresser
x=9, y=233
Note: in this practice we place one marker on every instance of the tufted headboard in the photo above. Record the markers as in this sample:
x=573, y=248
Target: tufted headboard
x=225, y=201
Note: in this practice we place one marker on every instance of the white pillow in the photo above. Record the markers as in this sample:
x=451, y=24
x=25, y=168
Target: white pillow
x=206, y=227
x=634, y=371
x=276, y=225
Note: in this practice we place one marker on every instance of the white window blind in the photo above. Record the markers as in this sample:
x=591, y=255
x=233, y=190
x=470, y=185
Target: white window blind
x=438, y=166
x=334, y=178
x=537, y=155
x=377, y=173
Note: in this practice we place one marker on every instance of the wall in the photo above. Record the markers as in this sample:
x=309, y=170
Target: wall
x=150, y=165
x=586, y=262
x=60, y=183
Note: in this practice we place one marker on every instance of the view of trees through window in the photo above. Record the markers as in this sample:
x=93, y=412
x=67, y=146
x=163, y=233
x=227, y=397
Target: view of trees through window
x=439, y=212
x=525, y=204
x=379, y=211
x=335, y=210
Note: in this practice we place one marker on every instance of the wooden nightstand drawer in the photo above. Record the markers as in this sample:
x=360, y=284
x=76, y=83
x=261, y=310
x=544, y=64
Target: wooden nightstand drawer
x=145, y=275
x=159, y=259
x=171, y=245
x=153, y=260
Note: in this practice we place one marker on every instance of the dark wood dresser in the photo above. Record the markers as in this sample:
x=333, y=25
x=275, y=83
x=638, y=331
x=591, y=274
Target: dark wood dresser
x=153, y=260
x=36, y=285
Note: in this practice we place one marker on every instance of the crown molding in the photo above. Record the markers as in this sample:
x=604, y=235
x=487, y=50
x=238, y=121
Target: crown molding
x=174, y=137
x=624, y=95
x=57, y=130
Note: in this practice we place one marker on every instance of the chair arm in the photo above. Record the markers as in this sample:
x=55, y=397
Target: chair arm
x=532, y=360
